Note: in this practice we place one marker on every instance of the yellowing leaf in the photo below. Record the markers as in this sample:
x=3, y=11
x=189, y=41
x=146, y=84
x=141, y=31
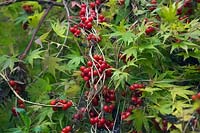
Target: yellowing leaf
x=59, y=28
x=181, y=91
x=35, y=19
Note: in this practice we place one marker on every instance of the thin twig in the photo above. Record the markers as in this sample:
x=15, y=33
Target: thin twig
x=23, y=55
x=26, y=101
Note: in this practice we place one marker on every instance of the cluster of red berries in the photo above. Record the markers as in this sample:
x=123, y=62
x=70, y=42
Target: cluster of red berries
x=93, y=38
x=153, y=5
x=196, y=97
x=79, y=115
x=20, y=104
x=28, y=8
x=75, y=30
x=186, y=10
x=17, y=87
x=96, y=68
x=108, y=108
x=101, y=122
x=136, y=100
x=109, y=94
x=61, y=104
x=127, y=112
x=87, y=16
x=67, y=129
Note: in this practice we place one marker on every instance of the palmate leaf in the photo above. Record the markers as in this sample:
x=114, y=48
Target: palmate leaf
x=35, y=54
x=119, y=77
x=53, y=64
x=126, y=37
x=168, y=13
x=181, y=91
x=140, y=120
x=35, y=19
x=7, y=62
x=74, y=62
x=179, y=106
x=59, y=28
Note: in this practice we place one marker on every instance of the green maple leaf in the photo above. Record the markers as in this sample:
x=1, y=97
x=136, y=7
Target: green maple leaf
x=35, y=19
x=34, y=55
x=75, y=61
x=53, y=64
x=59, y=28
x=140, y=120
x=7, y=62
x=181, y=91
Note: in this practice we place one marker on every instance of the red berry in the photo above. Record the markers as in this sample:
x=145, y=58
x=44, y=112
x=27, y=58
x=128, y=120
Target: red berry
x=92, y=121
x=65, y=107
x=149, y=30
x=198, y=95
x=83, y=5
x=134, y=99
x=98, y=2
x=194, y=97
x=89, y=63
x=69, y=104
x=12, y=83
x=82, y=68
x=111, y=107
x=22, y=106
x=92, y=5
x=14, y=112
x=86, y=78
x=53, y=102
x=153, y=1
x=106, y=108
x=102, y=121
x=68, y=128
x=132, y=87
x=20, y=101
x=89, y=25
x=83, y=19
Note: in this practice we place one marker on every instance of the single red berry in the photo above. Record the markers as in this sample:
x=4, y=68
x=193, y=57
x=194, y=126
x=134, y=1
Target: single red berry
x=83, y=5
x=153, y=1
x=12, y=83
x=198, y=95
x=194, y=97
x=22, y=106
x=92, y=5
x=69, y=103
x=65, y=107
x=98, y=2
x=82, y=68
x=106, y=108
x=53, y=102
x=92, y=121
x=102, y=121
x=20, y=101
x=86, y=78
x=89, y=63
x=86, y=70
x=149, y=30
